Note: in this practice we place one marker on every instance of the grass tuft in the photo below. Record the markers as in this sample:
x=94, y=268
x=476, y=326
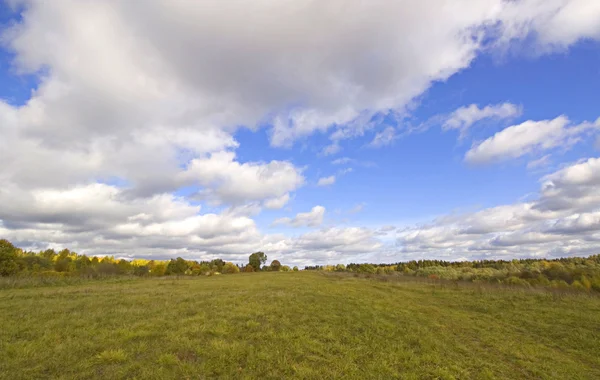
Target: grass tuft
x=112, y=356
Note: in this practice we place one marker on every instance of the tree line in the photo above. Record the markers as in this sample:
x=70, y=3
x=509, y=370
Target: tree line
x=563, y=273
x=15, y=261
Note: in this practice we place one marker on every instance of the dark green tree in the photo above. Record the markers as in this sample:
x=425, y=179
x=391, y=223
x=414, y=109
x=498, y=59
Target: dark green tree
x=177, y=266
x=217, y=265
x=141, y=270
x=8, y=258
x=257, y=259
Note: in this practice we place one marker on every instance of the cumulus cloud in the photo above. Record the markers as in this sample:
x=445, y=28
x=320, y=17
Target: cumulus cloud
x=555, y=24
x=226, y=180
x=313, y=218
x=530, y=137
x=326, y=181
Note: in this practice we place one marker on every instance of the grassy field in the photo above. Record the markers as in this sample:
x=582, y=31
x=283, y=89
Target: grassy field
x=295, y=325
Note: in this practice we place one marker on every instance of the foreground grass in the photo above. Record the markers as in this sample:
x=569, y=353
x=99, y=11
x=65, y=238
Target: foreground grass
x=294, y=325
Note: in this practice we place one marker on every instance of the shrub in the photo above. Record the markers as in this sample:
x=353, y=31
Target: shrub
x=587, y=284
x=512, y=280
x=578, y=285
x=141, y=270
x=366, y=268
x=230, y=268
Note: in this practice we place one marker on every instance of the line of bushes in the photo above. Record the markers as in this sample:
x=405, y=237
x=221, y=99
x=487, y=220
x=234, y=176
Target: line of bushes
x=564, y=273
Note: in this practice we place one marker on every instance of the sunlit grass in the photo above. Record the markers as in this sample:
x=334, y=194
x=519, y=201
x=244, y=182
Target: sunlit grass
x=295, y=325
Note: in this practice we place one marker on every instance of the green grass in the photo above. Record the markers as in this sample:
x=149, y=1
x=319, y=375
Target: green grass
x=295, y=325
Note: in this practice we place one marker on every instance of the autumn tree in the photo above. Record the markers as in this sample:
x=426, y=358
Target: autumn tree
x=275, y=266
x=230, y=268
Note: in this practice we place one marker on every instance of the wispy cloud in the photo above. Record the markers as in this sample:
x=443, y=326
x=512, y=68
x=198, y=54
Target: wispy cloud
x=326, y=181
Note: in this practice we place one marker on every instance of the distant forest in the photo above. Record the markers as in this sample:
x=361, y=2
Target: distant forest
x=563, y=273
x=15, y=261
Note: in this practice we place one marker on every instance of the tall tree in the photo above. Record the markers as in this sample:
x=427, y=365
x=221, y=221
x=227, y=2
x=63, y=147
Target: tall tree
x=257, y=259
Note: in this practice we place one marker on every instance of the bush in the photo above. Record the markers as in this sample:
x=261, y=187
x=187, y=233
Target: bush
x=366, y=268
x=230, y=268
x=512, y=280
x=141, y=270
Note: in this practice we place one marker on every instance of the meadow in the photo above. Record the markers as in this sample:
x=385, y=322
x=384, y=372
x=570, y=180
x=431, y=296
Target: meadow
x=306, y=324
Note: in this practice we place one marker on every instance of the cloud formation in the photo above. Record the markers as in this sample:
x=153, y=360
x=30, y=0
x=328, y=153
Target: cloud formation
x=464, y=117
x=563, y=221
x=313, y=218
x=530, y=137
x=135, y=105
x=326, y=181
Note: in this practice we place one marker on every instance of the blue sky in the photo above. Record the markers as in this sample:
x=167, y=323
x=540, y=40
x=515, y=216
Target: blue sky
x=424, y=175
x=262, y=127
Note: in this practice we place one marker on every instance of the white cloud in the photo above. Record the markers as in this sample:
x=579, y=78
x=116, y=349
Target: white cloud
x=563, y=221
x=585, y=173
x=384, y=138
x=555, y=24
x=463, y=118
x=528, y=137
x=226, y=180
x=313, y=218
x=326, y=181
x=277, y=203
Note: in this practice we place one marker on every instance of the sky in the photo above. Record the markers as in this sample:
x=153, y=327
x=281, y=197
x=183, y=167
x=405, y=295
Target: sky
x=317, y=132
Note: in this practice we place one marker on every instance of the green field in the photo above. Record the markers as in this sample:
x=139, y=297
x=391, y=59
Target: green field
x=295, y=325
